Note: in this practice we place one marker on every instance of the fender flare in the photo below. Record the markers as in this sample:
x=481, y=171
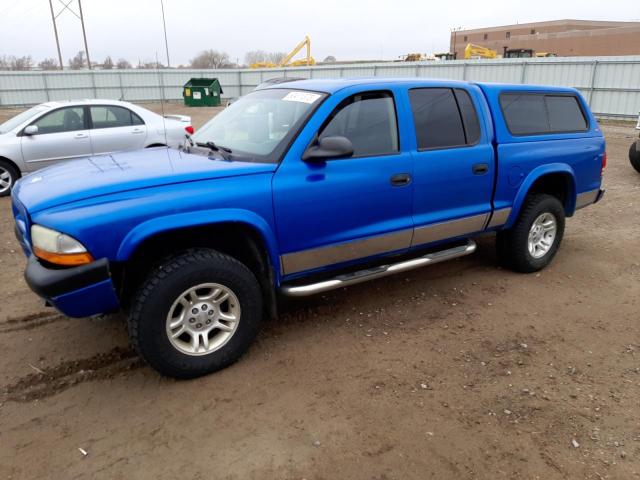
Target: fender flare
x=536, y=174
x=167, y=223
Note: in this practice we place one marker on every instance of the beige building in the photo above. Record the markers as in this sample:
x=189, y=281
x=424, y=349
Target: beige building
x=562, y=37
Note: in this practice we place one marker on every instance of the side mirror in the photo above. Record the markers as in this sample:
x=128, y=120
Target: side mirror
x=30, y=130
x=328, y=148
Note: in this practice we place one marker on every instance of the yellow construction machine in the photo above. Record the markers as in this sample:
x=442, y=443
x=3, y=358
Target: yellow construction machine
x=286, y=61
x=413, y=57
x=477, y=51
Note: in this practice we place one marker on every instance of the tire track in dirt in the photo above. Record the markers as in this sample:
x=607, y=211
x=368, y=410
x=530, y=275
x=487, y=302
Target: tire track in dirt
x=65, y=375
x=29, y=322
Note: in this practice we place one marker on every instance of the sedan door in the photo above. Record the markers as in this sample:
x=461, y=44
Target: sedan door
x=115, y=128
x=62, y=134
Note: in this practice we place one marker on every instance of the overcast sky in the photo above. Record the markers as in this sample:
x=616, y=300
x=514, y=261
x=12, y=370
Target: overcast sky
x=347, y=29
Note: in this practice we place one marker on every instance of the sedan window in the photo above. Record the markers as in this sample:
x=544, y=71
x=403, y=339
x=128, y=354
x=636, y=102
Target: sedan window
x=62, y=120
x=21, y=118
x=110, y=116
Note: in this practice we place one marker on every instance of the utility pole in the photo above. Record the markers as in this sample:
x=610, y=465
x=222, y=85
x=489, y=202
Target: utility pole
x=55, y=31
x=164, y=24
x=84, y=34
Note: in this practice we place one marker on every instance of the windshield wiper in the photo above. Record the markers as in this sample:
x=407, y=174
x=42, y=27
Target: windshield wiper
x=223, y=151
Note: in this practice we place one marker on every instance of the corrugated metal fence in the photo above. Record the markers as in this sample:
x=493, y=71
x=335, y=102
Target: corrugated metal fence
x=611, y=85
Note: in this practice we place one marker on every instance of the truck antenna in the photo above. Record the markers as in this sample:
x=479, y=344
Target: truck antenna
x=164, y=120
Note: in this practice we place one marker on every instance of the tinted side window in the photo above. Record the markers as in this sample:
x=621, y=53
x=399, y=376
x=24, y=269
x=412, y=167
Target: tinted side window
x=436, y=118
x=136, y=120
x=108, y=116
x=565, y=114
x=62, y=120
x=469, y=116
x=368, y=120
x=525, y=114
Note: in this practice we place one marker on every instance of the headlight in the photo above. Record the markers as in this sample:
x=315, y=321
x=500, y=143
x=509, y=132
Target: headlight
x=56, y=247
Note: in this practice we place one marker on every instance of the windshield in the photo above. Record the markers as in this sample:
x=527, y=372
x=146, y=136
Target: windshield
x=259, y=124
x=21, y=118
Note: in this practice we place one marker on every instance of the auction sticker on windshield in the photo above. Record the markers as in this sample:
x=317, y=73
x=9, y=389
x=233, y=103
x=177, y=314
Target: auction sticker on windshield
x=303, y=97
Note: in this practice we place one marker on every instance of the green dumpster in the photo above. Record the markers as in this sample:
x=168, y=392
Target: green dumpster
x=202, y=92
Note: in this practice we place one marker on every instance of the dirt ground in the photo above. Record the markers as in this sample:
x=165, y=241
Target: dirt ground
x=458, y=371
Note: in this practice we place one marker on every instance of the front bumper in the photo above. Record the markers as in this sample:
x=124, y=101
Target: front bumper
x=77, y=291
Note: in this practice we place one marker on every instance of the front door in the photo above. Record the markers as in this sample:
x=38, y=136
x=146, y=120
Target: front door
x=63, y=134
x=343, y=210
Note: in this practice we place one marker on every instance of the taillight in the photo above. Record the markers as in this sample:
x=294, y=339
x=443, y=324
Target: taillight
x=189, y=130
x=604, y=164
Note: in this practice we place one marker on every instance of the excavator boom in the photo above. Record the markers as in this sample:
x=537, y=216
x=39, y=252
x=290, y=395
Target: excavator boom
x=309, y=59
x=286, y=61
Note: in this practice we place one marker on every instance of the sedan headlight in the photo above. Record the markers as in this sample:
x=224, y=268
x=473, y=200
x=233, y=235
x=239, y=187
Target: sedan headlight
x=59, y=248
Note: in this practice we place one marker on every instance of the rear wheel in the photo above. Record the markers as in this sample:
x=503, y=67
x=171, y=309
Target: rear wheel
x=634, y=155
x=533, y=241
x=8, y=177
x=196, y=313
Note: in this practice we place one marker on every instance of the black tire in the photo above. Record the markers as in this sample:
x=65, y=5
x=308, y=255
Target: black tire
x=512, y=244
x=165, y=284
x=634, y=155
x=13, y=173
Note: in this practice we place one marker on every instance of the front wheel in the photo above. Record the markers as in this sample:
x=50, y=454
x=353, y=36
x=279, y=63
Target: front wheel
x=195, y=314
x=634, y=155
x=534, y=239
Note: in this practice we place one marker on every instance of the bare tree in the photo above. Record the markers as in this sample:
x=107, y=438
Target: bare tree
x=78, y=62
x=211, y=59
x=49, y=64
x=107, y=64
x=260, y=56
x=21, y=63
x=150, y=65
x=123, y=64
x=5, y=63
x=329, y=59
x=276, y=57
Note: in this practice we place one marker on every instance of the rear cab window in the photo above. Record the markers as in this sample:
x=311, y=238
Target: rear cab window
x=542, y=113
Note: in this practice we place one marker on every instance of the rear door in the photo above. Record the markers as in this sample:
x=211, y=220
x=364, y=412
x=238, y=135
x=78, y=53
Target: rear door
x=344, y=210
x=453, y=164
x=115, y=128
x=62, y=134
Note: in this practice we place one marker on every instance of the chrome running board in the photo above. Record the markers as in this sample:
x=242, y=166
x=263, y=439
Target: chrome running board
x=378, y=272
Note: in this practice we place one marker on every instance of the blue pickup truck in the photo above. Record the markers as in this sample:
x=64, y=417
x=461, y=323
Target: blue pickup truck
x=301, y=188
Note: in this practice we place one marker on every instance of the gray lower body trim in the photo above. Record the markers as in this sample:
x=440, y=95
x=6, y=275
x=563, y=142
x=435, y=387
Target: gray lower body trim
x=499, y=217
x=343, y=252
x=450, y=229
x=586, y=198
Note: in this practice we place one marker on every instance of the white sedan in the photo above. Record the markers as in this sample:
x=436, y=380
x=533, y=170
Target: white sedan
x=56, y=131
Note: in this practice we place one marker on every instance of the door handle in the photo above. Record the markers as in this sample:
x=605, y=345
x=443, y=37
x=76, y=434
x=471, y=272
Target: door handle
x=400, y=179
x=137, y=130
x=480, y=168
x=80, y=136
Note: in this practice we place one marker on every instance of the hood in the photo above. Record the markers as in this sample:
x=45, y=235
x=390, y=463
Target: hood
x=106, y=174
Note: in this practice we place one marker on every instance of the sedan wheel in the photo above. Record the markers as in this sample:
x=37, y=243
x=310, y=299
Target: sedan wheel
x=8, y=177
